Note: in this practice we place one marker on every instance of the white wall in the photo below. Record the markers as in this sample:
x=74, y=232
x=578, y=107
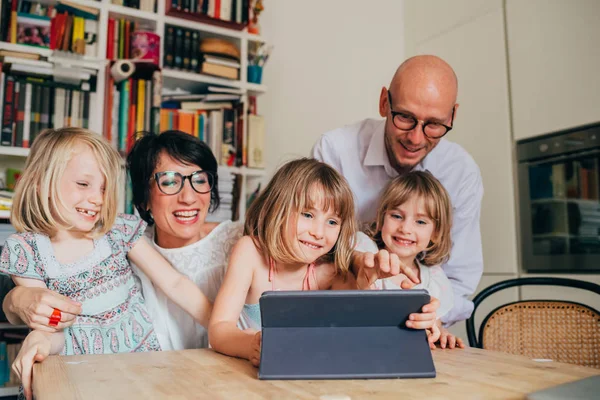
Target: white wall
x=331, y=59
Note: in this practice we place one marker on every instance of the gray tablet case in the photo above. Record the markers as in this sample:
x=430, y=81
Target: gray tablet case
x=343, y=335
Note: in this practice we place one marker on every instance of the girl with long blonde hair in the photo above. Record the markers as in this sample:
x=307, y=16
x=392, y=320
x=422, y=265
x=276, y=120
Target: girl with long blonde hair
x=299, y=235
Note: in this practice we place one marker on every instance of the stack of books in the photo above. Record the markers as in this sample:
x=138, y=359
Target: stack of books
x=34, y=98
x=227, y=188
x=183, y=51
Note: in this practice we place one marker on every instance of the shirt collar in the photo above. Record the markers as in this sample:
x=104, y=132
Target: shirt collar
x=376, y=155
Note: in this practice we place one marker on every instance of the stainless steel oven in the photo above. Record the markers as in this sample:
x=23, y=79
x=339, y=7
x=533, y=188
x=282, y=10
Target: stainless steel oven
x=559, y=185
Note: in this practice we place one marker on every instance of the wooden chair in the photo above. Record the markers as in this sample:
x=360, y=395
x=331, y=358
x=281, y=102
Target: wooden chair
x=562, y=331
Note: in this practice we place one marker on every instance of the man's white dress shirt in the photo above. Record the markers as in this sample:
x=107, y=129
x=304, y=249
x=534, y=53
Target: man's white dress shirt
x=358, y=153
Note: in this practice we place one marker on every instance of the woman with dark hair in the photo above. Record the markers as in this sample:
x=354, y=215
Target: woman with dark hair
x=174, y=182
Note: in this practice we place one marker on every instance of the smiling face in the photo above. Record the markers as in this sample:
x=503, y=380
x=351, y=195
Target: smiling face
x=179, y=218
x=424, y=88
x=407, y=229
x=82, y=187
x=315, y=232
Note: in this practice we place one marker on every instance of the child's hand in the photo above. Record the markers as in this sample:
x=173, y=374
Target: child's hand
x=384, y=264
x=255, y=349
x=433, y=334
x=426, y=318
x=446, y=338
x=36, y=347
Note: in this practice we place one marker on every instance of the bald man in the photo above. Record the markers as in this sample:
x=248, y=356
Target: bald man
x=419, y=108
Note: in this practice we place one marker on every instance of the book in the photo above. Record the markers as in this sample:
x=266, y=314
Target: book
x=256, y=141
x=27, y=116
x=201, y=105
x=219, y=70
x=8, y=107
x=77, y=10
x=18, y=54
x=228, y=62
x=169, y=60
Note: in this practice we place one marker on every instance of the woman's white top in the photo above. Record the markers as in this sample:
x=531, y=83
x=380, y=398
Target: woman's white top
x=433, y=279
x=205, y=263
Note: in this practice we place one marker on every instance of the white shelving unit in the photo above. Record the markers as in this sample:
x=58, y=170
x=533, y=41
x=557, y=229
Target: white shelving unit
x=172, y=78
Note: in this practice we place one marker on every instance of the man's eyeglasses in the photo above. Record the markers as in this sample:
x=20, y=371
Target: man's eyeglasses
x=171, y=183
x=407, y=122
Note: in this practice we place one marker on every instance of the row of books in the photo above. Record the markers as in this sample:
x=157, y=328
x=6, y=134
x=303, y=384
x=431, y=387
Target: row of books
x=119, y=41
x=182, y=51
x=142, y=5
x=220, y=129
x=65, y=26
x=225, y=10
x=132, y=106
x=31, y=105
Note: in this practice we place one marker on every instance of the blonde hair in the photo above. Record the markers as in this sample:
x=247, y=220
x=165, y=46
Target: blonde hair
x=37, y=193
x=437, y=206
x=298, y=185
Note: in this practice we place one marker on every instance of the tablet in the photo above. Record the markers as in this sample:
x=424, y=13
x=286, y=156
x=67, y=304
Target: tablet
x=351, y=334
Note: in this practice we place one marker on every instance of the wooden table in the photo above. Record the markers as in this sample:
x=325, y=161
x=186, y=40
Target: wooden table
x=466, y=373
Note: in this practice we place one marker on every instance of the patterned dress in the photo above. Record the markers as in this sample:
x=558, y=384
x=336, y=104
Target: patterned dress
x=114, y=317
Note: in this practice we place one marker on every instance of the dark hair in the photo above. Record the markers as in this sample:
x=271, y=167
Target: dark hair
x=185, y=148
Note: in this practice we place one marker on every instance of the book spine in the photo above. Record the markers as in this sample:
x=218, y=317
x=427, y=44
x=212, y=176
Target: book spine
x=20, y=124
x=187, y=48
x=195, y=52
x=133, y=95
x=59, y=109
x=169, y=60
x=75, y=109
x=148, y=105
x=36, y=112
x=27, y=116
x=123, y=114
x=45, y=109
x=227, y=144
x=178, y=47
x=8, y=107
x=85, y=113
x=156, y=100
x=141, y=105
x=114, y=127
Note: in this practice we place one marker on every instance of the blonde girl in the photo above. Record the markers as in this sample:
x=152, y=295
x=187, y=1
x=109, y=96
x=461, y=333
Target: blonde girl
x=414, y=218
x=72, y=241
x=299, y=235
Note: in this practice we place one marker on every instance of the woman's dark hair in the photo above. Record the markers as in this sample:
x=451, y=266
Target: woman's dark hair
x=182, y=147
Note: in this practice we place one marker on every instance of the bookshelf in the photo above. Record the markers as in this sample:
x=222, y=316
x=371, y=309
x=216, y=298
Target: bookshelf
x=155, y=22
